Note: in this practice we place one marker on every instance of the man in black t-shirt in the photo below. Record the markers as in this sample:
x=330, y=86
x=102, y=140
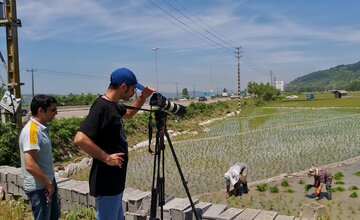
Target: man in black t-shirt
x=103, y=137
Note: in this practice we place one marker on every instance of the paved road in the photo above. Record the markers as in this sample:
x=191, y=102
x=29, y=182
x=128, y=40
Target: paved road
x=81, y=111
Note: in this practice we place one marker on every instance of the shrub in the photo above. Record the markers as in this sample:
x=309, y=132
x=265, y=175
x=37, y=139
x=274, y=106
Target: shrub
x=80, y=212
x=285, y=183
x=339, y=188
x=353, y=188
x=353, y=195
x=357, y=173
x=12, y=209
x=262, y=187
x=274, y=189
x=289, y=190
x=301, y=182
x=62, y=132
x=9, y=148
x=338, y=176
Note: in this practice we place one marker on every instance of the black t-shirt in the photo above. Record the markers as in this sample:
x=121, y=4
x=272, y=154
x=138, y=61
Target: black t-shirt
x=104, y=126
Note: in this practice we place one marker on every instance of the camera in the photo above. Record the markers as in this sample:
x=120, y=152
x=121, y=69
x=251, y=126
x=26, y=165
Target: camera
x=161, y=101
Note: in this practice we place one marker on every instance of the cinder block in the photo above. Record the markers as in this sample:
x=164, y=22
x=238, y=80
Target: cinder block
x=133, y=216
x=248, y=214
x=135, y=201
x=5, y=186
x=20, y=180
x=176, y=205
x=230, y=214
x=91, y=200
x=128, y=192
x=65, y=188
x=12, y=175
x=284, y=217
x=266, y=215
x=11, y=188
x=4, y=171
x=65, y=205
x=79, y=192
x=214, y=211
x=144, y=209
x=188, y=214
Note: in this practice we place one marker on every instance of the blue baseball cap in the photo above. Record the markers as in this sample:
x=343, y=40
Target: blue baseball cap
x=123, y=75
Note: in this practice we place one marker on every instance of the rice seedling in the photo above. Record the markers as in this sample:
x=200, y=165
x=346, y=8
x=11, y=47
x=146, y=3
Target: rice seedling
x=274, y=189
x=338, y=176
x=339, y=182
x=289, y=190
x=307, y=187
x=285, y=183
x=351, y=188
x=301, y=181
x=353, y=195
x=338, y=189
x=261, y=187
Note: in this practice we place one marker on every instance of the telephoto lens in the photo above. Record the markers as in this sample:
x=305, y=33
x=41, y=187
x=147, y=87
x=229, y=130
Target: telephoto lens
x=161, y=101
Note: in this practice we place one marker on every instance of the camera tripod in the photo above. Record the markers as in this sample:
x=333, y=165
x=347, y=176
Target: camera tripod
x=158, y=182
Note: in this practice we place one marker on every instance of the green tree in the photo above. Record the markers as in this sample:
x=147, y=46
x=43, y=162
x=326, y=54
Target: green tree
x=224, y=90
x=263, y=92
x=9, y=150
x=185, y=93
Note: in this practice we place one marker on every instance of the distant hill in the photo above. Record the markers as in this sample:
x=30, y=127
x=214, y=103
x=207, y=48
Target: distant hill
x=340, y=77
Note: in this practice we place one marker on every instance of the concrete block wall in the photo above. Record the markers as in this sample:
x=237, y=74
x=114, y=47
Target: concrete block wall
x=136, y=203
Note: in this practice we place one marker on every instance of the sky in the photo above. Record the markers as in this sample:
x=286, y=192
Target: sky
x=75, y=45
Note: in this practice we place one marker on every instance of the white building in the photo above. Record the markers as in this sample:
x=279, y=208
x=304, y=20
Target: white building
x=279, y=85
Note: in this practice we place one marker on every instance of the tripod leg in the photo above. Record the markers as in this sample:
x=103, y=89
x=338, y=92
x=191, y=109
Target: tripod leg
x=181, y=175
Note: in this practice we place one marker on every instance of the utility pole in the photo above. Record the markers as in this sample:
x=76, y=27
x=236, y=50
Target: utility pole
x=32, y=80
x=274, y=78
x=211, y=79
x=271, y=78
x=177, y=91
x=156, y=69
x=11, y=24
x=237, y=55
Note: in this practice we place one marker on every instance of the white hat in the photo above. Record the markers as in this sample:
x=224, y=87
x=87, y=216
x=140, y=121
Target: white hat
x=232, y=177
x=312, y=171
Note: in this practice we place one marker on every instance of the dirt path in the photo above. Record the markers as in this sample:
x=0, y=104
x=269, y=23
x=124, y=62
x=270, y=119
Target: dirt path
x=289, y=200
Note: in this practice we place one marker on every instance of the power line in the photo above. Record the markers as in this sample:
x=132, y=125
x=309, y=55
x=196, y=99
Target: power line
x=191, y=31
x=230, y=42
x=70, y=74
x=197, y=24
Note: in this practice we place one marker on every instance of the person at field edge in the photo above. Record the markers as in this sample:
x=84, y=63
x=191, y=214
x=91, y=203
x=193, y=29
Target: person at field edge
x=237, y=176
x=37, y=160
x=321, y=177
x=103, y=137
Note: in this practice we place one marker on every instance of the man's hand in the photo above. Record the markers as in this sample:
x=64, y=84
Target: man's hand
x=49, y=190
x=318, y=191
x=147, y=92
x=115, y=159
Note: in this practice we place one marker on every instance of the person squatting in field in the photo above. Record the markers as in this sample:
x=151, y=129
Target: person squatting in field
x=321, y=177
x=236, y=176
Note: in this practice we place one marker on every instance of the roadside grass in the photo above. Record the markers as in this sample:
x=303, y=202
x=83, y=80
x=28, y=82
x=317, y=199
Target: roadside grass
x=20, y=210
x=15, y=210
